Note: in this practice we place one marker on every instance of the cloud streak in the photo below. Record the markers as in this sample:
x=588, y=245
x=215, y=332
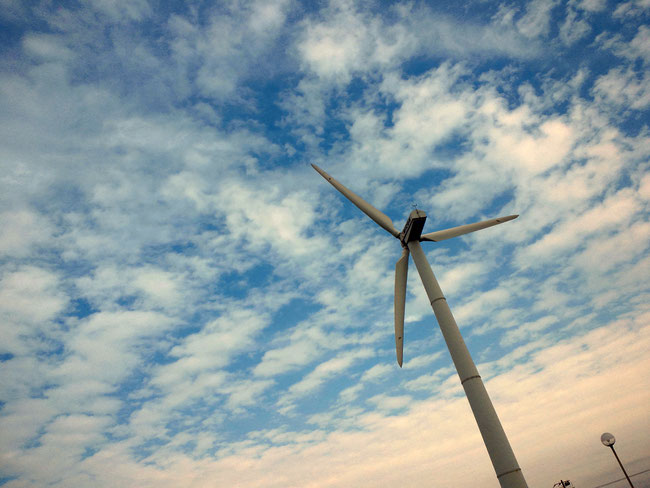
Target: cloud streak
x=184, y=301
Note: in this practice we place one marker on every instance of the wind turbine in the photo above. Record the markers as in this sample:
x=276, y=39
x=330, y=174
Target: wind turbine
x=503, y=458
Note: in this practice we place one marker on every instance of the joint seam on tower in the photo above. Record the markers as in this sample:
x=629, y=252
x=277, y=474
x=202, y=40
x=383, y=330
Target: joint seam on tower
x=471, y=378
x=508, y=472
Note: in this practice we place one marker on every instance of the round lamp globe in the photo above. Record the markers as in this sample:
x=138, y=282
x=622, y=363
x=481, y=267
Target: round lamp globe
x=607, y=439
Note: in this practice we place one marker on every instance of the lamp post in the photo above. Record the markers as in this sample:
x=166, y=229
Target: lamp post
x=563, y=484
x=608, y=440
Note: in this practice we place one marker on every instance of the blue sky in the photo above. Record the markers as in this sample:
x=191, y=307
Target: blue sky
x=185, y=302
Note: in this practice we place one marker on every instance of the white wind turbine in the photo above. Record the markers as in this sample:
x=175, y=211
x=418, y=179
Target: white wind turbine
x=503, y=458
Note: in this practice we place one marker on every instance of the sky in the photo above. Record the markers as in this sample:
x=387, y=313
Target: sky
x=184, y=301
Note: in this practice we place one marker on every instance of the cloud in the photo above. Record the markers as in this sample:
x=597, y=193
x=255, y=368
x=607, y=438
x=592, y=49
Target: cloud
x=119, y=11
x=376, y=372
x=107, y=346
x=430, y=381
x=536, y=21
x=335, y=49
x=630, y=9
x=390, y=403
x=22, y=230
x=183, y=299
x=246, y=393
x=568, y=366
x=528, y=330
x=280, y=220
x=345, y=40
x=46, y=47
x=31, y=295
x=573, y=28
x=422, y=360
x=592, y=5
x=623, y=88
x=152, y=288
x=621, y=248
x=65, y=439
x=574, y=231
x=481, y=304
x=325, y=371
x=279, y=360
x=637, y=48
x=218, y=52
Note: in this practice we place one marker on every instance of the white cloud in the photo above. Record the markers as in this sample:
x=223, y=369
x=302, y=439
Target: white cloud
x=460, y=276
x=640, y=46
x=388, y=403
x=528, y=330
x=376, y=372
x=152, y=288
x=21, y=231
x=46, y=47
x=574, y=231
x=268, y=16
x=336, y=49
x=121, y=11
x=22, y=420
x=535, y=22
x=644, y=187
x=159, y=285
x=245, y=393
x=534, y=153
x=431, y=381
x=217, y=51
x=322, y=373
x=631, y=9
x=422, y=360
x=621, y=248
x=210, y=349
x=592, y=5
x=623, y=88
x=479, y=306
x=31, y=296
x=280, y=219
x=345, y=40
x=65, y=439
x=107, y=346
x=326, y=370
x=181, y=275
x=573, y=29
x=345, y=396
x=553, y=401
x=279, y=360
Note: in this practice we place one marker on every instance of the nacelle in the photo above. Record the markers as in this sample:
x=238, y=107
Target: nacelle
x=413, y=228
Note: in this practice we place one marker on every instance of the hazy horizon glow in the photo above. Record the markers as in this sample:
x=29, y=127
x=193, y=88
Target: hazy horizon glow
x=185, y=302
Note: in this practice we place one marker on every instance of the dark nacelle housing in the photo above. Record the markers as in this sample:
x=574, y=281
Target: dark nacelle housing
x=414, y=225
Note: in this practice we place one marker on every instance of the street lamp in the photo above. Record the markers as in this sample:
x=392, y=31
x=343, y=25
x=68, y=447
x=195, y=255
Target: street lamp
x=608, y=440
x=563, y=484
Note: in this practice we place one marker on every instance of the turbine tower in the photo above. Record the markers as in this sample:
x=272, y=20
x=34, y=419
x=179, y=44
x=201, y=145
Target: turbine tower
x=503, y=458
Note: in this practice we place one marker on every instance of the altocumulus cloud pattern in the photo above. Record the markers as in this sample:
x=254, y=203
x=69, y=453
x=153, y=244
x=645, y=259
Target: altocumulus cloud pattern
x=185, y=302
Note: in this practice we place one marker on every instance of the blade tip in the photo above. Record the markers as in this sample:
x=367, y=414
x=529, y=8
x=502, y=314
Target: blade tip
x=322, y=172
x=507, y=218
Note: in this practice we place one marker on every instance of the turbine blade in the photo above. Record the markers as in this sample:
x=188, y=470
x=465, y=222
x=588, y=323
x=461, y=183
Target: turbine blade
x=379, y=217
x=441, y=235
x=401, y=272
